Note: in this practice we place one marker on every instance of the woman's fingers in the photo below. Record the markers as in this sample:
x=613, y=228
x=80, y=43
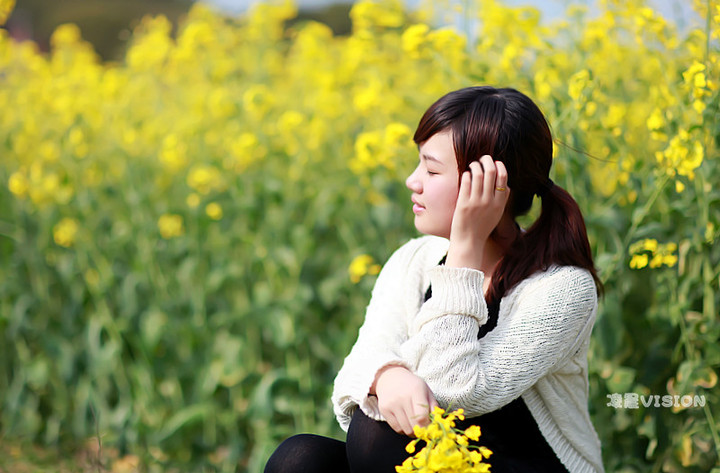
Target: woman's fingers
x=432, y=403
x=501, y=181
x=489, y=174
x=484, y=180
x=400, y=421
x=476, y=171
x=465, y=187
x=390, y=419
x=414, y=412
x=410, y=421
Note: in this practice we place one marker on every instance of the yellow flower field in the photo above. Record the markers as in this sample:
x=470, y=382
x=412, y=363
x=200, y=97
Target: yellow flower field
x=189, y=235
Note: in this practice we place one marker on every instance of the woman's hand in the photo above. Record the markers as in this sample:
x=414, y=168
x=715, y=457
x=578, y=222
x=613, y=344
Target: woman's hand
x=404, y=399
x=480, y=205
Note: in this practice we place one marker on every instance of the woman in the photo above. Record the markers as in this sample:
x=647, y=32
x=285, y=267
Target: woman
x=479, y=314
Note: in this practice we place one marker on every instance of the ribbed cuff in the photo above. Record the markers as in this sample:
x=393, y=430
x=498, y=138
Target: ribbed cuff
x=455, y=291
x=354, y=392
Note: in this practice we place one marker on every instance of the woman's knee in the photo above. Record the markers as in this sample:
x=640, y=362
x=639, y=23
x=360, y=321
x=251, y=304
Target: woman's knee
x=374, y=446
x=308, y=453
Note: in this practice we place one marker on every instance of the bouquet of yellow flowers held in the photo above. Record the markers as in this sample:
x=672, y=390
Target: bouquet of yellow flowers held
x=447, y=449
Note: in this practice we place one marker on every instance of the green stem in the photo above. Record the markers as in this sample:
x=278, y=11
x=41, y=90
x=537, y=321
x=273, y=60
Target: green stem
x=713, y=427
x=681, y=302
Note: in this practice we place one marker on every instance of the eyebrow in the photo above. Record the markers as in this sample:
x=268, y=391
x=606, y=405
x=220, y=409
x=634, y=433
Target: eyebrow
x=431, y=158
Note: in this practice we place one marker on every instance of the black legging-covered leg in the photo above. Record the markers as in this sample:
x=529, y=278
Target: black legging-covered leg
x=372, y=447
x=308, y=453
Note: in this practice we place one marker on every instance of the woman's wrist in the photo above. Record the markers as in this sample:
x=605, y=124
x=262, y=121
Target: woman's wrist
x=382, y=371
x=465, y=255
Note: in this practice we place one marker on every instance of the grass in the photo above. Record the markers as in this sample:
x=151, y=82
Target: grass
x=19, y=456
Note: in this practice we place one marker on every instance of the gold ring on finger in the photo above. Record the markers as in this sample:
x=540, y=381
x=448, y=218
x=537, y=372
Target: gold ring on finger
x=501, y=189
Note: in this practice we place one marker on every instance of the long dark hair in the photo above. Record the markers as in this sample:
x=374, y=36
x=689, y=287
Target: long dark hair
x=508, y=126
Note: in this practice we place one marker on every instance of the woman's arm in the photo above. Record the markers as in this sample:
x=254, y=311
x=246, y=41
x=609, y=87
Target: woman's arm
x=382, y=333
x=541, y=325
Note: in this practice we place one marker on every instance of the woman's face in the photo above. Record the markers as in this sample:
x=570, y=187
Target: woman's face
x=434, y=185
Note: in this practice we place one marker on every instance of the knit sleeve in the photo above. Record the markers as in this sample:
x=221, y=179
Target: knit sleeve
x=541, y=324
x=379, y=339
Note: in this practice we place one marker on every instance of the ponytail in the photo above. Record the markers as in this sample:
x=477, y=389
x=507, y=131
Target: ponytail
x=558, y=236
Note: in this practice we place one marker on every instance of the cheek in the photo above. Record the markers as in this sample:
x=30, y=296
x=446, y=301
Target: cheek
x=451, y=192
x=450, y=198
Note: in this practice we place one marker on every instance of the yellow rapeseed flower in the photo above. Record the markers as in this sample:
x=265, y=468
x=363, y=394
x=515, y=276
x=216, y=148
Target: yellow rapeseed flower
x=639, y=261
x=656, y=261
x=173, y=153
x=683, y=155
x=65, y=232
x=615, y=118
x=18, y=184
x=214, y=211
x=362, y=265
x=650, y=244
x=369, y=151
x=204, y=178
x=447, y=449
x=366, y=14
x=289, y=121
x=243, y=150
x=170, y=225
x=694, y=74
x=398, y=134
x=648, y=252
x=473, y=432
x=577, y=84
x=368, y=96
x=451, y=45
x=656, y=120
x=413, y=39
x=670, y=260
x=65, y=34
x=152, y=44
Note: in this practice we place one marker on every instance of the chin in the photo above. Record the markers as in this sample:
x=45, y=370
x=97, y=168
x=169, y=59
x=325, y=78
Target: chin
x=432, y=232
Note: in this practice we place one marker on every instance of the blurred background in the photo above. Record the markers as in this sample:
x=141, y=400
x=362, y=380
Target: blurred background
x=196, y=199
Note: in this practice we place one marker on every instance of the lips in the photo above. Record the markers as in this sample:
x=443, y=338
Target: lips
x=417, y=208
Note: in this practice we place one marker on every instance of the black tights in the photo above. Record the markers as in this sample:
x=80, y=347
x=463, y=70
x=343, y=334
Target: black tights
x=373, y=447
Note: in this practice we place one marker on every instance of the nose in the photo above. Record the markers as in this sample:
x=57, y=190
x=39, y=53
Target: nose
x=413, y=182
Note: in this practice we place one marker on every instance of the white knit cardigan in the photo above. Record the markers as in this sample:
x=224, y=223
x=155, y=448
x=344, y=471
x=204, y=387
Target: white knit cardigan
x=538, y=350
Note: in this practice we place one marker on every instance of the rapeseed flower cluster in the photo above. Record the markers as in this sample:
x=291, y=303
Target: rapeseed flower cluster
x=648, y=252
x=65, y=232
x=362, y=265
x=147, y=109
x=446, y=449
x=170, y=225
